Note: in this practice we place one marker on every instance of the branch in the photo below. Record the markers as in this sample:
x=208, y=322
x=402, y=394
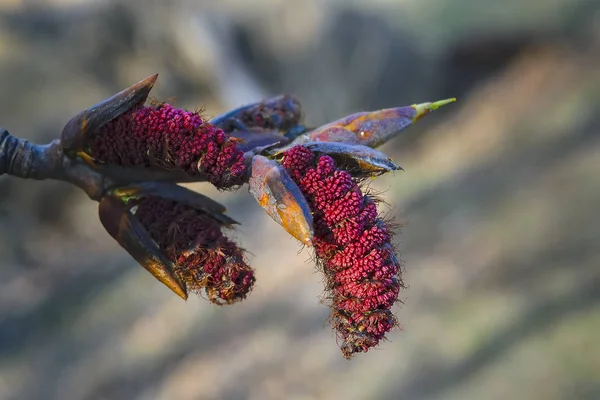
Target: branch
x=23, y=159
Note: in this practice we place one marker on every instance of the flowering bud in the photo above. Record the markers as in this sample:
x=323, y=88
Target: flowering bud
x=129, y=142
x=88, y=122
x=353, y=247
x=204, y=258
x=166, y=137
x=279, y=113
x=177, y=235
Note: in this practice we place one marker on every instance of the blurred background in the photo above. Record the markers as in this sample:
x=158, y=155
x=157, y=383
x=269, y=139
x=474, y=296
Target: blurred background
x=500, y=198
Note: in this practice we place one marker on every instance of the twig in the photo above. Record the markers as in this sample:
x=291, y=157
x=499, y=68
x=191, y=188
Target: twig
x=23, y=159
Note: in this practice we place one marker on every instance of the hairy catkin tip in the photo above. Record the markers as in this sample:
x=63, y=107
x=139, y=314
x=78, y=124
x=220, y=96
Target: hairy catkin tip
x=205, y=259
x=162, y=136
x=353, y=248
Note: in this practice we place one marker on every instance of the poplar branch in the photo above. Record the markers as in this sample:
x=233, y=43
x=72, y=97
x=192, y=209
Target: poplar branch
x=24, y=159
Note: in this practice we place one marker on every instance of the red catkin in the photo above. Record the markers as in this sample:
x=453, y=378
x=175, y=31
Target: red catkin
x=205, y=258
x=167, y=137
x=353, y=246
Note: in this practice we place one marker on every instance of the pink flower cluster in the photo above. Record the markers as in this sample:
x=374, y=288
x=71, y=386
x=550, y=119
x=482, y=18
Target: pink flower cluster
x=167, y=137
x=353, y=247
x=205, y=258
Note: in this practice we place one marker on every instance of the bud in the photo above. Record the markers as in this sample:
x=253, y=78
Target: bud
x=358, y=160
x=120, y=223
x=371, y=129
x=280, y=113
x=353, y=248
x=177, y=235
x=281, y=198
x=256, y=141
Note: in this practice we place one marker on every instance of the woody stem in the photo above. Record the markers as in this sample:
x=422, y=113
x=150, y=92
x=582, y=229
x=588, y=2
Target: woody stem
x=23, y=159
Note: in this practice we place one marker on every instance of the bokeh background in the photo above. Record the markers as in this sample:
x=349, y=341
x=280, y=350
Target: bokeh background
x=500, y=197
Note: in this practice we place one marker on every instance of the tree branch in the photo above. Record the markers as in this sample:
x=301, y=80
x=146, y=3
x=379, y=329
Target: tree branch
x=23, y=159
